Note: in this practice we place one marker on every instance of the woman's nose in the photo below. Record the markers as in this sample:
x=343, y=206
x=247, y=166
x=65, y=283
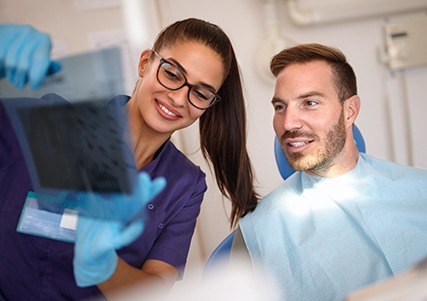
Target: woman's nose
x=179, y=97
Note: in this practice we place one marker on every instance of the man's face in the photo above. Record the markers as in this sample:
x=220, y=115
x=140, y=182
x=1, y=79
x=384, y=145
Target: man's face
x=309, y=119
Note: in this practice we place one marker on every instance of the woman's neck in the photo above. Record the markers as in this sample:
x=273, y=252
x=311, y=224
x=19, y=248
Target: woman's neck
x=145, y=141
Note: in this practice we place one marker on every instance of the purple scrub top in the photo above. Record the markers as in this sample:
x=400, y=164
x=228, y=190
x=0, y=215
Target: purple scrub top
x=36, y=268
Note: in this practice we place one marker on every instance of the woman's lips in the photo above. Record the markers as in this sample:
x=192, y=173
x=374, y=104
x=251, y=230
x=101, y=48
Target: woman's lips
x=166, y=111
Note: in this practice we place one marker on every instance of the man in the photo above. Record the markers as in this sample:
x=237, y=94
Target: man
x=345, y=219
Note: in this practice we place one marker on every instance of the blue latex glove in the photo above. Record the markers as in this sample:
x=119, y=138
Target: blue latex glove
x=25, y=55
x=95, y=257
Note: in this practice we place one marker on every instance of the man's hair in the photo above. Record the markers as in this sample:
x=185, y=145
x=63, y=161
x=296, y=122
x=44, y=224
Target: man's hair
x=344, y=76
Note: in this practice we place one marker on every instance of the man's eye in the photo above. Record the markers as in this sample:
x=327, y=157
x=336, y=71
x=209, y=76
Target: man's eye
x=311, y=103
x=278, y=106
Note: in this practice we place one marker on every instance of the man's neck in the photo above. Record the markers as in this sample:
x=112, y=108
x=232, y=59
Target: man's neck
x=345, y=161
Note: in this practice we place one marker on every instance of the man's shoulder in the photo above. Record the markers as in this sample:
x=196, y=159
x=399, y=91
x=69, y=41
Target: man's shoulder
x=392, y=169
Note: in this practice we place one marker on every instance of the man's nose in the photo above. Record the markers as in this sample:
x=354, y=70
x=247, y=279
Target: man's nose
x=292, y=119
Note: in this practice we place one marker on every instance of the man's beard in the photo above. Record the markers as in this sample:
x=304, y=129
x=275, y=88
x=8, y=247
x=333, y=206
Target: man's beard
x=334, y=142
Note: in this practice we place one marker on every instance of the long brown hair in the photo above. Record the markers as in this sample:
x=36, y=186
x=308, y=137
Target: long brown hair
x=223, y=126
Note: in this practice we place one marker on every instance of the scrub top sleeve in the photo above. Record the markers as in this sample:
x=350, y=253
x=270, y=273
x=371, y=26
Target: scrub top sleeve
x=9, y=147
x=173, y=243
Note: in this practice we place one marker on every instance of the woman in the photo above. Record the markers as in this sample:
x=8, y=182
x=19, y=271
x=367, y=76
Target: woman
x=190, y=73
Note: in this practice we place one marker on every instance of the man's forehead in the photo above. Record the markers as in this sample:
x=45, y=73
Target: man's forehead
x=312, y=77
x=316, y=66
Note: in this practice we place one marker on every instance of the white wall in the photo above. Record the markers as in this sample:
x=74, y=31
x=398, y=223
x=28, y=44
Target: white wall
x=243, y=20
x=68, y=24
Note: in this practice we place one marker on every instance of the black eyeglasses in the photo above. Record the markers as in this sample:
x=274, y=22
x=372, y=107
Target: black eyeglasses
x=171, y=77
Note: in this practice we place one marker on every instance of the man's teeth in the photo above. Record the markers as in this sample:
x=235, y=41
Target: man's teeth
x=164, y=109
x=298, y=144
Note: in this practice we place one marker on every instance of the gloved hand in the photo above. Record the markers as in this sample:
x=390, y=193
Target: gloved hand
x=95, y=257
x=25, y=55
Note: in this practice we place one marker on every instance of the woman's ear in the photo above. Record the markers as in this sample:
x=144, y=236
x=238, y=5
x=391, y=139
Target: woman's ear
x=351, y=108
x=144, y=59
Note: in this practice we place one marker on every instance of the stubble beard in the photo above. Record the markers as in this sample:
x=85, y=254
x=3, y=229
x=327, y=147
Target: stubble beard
x=334, y=142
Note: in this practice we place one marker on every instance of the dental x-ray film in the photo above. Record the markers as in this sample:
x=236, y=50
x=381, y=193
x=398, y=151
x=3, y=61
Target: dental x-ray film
x=74, y=143
x=74, y=146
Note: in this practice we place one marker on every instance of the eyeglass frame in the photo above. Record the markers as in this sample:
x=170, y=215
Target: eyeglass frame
x=184, y=84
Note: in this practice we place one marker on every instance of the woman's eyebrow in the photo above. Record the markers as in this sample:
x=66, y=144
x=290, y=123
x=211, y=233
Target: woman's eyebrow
x=181, y=69
x=206, y=86
x=178, y=65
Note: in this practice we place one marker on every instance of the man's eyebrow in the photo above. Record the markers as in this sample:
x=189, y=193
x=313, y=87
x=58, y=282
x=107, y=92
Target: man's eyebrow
x=276, y=99
x=310, y=94
x=302, y=96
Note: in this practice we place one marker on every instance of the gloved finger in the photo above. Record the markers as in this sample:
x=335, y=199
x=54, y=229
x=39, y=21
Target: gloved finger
x=143, y=187
x=23, y=60
x=54, y=67
x=158, y=185
x=8, y=34
x=147, y=188
x=18, y=75
x=40, y=61
x=130, y=233
x=19, y=78
x=14, y=51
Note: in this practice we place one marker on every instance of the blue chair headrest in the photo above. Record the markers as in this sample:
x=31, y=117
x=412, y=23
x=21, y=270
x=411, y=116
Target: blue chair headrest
x=286, y=170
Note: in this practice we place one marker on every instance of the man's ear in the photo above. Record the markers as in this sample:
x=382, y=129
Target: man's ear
x=351, y=109
x=144, y=59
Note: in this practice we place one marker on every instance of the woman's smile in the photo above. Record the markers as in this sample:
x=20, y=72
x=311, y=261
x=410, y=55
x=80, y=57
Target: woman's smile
x=166, y=111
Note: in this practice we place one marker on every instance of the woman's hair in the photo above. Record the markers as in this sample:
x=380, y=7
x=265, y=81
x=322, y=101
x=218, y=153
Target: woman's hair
x=222, y=126
x=344, y=77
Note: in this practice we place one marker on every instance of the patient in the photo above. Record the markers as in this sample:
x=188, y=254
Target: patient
x=345, y=219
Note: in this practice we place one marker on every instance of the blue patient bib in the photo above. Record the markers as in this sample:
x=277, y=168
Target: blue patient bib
x=323, y=238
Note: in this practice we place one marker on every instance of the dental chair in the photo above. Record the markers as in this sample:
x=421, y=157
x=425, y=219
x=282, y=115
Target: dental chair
x=222, y=251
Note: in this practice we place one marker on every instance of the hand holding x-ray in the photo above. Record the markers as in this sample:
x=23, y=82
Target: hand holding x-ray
x=95, y=258
x=117, y=206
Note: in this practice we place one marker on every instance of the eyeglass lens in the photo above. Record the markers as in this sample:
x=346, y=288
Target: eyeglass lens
x=172, y=78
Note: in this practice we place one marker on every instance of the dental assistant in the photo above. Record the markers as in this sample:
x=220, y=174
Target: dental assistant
x=189, y=74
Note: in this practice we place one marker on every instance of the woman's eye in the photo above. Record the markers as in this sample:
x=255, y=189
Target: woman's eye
x=171, y=75
x=200, y=94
